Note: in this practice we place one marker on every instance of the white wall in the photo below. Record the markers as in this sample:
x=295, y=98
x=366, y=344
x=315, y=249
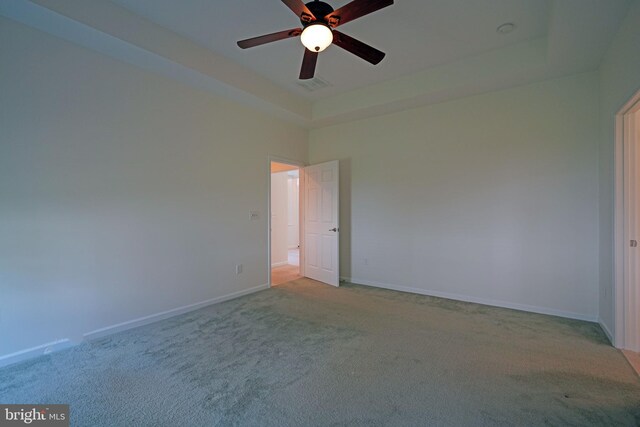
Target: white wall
x=491, y=198
x=279, y=218
x=293, y=212
x=115, y=198
x=619, y=80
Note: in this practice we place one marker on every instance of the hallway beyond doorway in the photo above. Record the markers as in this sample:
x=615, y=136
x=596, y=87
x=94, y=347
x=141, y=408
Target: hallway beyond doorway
x=289, y=272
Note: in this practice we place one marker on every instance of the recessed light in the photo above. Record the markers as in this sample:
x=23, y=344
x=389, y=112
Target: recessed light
x=506, y=28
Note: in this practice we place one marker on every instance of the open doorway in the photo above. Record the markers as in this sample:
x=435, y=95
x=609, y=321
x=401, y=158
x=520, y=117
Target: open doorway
x=285, y=223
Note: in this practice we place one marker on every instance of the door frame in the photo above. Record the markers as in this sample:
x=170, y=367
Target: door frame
x=300, y=166
x=625, y=290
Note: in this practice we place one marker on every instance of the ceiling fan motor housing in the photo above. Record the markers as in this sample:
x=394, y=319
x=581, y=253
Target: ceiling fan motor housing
x=319, y=9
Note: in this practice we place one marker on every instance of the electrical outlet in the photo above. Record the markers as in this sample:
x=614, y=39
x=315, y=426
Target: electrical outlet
x=238, y=268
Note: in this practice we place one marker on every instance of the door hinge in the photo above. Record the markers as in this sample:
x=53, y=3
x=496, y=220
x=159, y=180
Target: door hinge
x=634, y=243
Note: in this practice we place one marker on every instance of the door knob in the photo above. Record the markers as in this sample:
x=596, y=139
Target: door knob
x=334, y=229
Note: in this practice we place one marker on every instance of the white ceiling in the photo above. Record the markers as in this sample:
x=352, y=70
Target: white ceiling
x=415, y=35
x=437, y=50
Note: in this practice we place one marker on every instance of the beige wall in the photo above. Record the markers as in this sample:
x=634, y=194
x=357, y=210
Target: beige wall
x=619, y=80
x=293, y=212
x=279, y=218
x=492, y=198
x=115, y=197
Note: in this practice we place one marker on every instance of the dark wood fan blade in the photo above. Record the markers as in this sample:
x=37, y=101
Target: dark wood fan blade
x=358, y=48
x=308, y=64
x=299, y=8
x=355, y=10
x=268, y=38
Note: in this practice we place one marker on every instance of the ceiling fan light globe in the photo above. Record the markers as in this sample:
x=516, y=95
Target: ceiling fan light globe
x=316, y=37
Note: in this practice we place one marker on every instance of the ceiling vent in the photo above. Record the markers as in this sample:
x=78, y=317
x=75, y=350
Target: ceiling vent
x=314, y=84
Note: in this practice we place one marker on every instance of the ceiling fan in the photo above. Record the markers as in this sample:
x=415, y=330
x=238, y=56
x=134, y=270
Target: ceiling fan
x=319, y=21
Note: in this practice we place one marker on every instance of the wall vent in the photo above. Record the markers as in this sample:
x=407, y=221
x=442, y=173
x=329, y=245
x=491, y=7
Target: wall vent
x=314, y=84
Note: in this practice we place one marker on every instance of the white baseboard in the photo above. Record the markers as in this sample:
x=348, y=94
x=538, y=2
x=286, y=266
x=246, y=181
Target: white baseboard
x=29, y=353
x=141, y=321
x=606, y=331
x=465, y=298
x=99, y=333
x=279, y=264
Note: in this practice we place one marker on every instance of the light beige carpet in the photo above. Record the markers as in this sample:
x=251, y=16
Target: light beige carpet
x=305, y=354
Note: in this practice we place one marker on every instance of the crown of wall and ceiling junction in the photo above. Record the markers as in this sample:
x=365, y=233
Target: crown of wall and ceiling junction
x=437, y=50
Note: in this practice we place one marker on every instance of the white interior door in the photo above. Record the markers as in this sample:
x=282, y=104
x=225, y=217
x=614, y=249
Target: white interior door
x=632, y=228
x=321, y=228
